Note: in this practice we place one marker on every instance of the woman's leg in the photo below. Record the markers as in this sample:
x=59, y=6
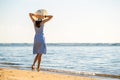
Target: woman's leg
x=36, y=57
x=39, y=61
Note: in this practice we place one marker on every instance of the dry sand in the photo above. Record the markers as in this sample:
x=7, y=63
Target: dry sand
x=11, y=74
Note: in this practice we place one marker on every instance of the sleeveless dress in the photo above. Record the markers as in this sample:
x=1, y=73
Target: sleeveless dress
x=39, y=46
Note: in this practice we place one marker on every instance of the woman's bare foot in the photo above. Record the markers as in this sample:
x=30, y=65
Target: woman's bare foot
x=38, y=69
x=33, y=67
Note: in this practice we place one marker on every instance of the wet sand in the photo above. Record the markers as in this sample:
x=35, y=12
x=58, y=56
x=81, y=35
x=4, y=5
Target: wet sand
x=13, y=74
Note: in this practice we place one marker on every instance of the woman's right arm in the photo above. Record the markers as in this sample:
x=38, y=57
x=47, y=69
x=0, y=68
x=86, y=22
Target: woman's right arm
x=31, y=16
x=47, y=18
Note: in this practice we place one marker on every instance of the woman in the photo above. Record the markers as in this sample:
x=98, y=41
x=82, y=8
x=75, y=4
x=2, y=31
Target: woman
x=39, y=47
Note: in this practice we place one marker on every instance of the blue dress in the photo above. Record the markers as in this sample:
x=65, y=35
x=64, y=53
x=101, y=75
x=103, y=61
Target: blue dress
x=39, y=46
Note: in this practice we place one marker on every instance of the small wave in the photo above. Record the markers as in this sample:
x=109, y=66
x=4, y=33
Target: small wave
x=8, y=63
x=15, y=44
x=81, y=73
x=69, y=72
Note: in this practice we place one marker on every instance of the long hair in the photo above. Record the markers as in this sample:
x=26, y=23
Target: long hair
x=37, y=23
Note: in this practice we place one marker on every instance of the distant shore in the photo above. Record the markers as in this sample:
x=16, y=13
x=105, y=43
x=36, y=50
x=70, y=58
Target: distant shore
x=64, y=44
x=13, y=74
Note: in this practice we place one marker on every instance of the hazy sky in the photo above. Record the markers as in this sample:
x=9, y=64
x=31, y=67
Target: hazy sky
x=74, y=21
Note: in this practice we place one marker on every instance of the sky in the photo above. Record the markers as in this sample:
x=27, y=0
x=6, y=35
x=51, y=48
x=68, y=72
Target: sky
x=74, y=21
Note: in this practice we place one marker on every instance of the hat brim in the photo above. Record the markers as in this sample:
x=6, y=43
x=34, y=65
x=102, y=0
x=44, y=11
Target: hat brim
x=41, y=12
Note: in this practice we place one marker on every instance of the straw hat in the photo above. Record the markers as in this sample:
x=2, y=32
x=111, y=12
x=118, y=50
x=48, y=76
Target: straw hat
x=42, y=12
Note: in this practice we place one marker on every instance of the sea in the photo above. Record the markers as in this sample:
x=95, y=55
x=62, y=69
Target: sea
x=96, y=60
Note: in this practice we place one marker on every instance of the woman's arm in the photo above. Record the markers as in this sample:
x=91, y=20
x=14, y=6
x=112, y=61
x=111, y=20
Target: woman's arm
x=47, y=18
x=31, y=16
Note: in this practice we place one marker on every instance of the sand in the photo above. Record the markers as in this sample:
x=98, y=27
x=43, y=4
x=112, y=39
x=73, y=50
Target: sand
x=12, y=74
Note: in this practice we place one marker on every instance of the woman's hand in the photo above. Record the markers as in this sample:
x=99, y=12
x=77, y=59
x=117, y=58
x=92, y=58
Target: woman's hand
x=47, y=18
x=39, y=16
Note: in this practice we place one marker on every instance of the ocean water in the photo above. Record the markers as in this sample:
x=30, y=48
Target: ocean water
x=96, y=59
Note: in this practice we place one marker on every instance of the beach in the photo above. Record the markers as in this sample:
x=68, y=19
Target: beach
x=14, y=74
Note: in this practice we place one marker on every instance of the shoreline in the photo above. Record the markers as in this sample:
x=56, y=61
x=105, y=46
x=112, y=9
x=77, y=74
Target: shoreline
x=15, y=74
x=84, y=74
x=95, y=76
